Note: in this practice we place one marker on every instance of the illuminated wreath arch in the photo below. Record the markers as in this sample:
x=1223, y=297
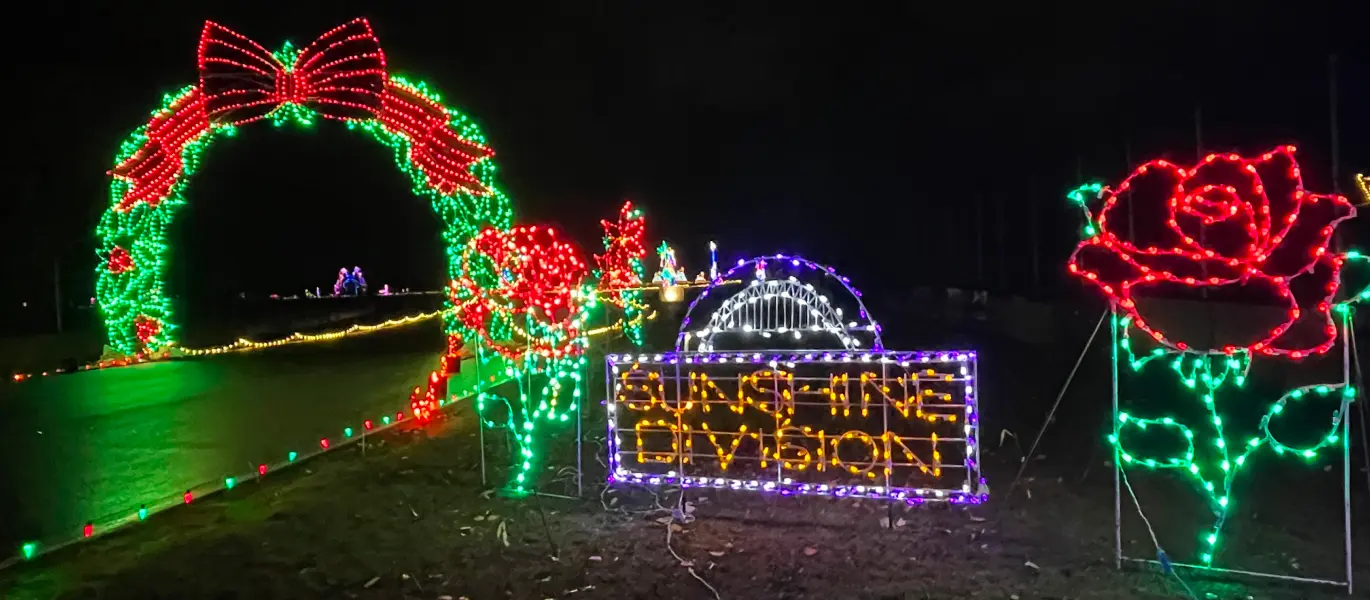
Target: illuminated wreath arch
x=343, y=76
x=779, y=306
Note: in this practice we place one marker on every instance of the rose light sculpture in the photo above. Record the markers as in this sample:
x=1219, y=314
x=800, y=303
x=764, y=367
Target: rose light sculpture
x=1228, y=224
x=540, y=294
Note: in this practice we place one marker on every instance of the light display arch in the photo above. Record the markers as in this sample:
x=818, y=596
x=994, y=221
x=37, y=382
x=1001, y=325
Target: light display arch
x=779, y=307
x=341, y=76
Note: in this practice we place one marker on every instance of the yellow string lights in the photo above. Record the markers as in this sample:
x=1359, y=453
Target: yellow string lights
x=1363, y=183
x=242, y=345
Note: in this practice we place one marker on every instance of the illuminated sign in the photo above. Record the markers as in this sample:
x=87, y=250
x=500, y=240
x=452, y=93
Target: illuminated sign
x=900, y=426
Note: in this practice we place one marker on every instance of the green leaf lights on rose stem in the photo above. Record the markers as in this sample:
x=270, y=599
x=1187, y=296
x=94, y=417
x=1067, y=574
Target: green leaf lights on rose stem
x=547, y=405
x=444, y=154
x=559, y=376
x=1081, y=197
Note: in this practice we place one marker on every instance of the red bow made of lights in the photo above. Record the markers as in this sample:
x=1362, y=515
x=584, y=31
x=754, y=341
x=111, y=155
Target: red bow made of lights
x=341, y=75
x=538, y=275
x=1228, y=221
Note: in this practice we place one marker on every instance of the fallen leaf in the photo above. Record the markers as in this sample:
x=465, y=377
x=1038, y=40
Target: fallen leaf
x=900, y=523
x=480, y=518
x=885, y=522
x=810, y=551
x=503, y=533
x=596, y=558
x=664, y=520
x=716, y=553
x=371, y=582
x=1032, y=565
x=977, y=519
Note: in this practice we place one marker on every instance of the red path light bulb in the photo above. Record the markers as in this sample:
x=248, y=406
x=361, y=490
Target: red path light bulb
x=88, y=530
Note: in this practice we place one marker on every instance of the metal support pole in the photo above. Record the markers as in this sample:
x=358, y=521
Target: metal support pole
x=1346, y=323
x=680, y=434
x=580, y=450
x=885, y=423
x=480, y=416
x=1117, y=467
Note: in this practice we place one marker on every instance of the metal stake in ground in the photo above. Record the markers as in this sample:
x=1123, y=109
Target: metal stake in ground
x=1052, y=413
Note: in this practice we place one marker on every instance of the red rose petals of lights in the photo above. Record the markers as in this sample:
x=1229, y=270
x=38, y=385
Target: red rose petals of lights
x=538, y=277
x=1260, y=229
x=624, y=240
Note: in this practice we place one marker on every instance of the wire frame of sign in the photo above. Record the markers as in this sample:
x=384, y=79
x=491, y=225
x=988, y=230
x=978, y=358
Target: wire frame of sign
x=778, y=309
x=898, y=426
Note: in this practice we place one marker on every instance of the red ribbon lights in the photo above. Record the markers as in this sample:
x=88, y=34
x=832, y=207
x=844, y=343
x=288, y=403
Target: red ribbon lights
x=538, y=276
x=1228, y=221
x=341, y=75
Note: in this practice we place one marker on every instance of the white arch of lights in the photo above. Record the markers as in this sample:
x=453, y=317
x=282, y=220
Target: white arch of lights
x=779, y=307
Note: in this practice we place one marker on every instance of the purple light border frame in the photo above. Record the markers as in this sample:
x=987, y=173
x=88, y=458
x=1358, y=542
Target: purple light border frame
x=786, y=487
x=796, y=261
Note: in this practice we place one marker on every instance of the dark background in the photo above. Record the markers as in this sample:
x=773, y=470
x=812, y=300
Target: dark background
x=906, y=143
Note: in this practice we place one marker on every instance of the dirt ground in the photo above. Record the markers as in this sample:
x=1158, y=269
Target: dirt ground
x=410, y=518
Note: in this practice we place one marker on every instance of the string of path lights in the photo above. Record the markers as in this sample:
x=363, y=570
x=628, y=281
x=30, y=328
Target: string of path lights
x=420, y=411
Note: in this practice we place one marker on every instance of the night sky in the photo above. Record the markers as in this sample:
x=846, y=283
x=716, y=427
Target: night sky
x=890, y=141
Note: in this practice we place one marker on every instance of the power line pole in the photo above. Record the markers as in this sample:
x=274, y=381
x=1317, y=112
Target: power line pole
x=57, y=290
x=1336, y=138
